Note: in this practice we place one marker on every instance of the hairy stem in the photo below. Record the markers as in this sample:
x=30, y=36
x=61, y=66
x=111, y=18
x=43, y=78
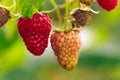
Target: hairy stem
x=57, y=11
x=66, y=14
x=12, y=7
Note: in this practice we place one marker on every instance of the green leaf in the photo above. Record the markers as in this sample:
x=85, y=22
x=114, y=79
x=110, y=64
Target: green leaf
x=29, y=7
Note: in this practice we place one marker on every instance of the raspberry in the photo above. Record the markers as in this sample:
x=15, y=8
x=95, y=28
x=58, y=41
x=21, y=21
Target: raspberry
x=82, y=18
x=66, y=46
x=35, y=32
x=4, y=16
x=108, y=4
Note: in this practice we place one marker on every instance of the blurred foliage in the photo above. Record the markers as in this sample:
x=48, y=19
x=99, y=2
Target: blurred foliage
x=99, y=55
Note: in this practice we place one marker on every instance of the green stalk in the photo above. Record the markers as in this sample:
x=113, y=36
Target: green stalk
x=48, y=11
x=66, y=14
x=12, y=7
x=57, y=11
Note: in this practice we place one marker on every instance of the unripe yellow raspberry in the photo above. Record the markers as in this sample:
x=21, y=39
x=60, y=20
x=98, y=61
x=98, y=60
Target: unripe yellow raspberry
x=66, y=46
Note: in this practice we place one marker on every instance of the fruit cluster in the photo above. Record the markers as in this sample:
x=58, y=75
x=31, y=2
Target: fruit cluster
x=65, y=41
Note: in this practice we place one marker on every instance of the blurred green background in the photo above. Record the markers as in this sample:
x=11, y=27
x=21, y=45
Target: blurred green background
x=99, y=55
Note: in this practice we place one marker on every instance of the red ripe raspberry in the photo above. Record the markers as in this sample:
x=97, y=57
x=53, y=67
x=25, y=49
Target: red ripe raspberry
x=108, y=4
x=35, y=32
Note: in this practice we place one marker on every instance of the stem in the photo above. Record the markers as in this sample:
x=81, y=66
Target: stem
x=66, y=14
x=12, y=7
x=57, y=11
x=63, y=5
x=48, y=11
x=58, y=29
